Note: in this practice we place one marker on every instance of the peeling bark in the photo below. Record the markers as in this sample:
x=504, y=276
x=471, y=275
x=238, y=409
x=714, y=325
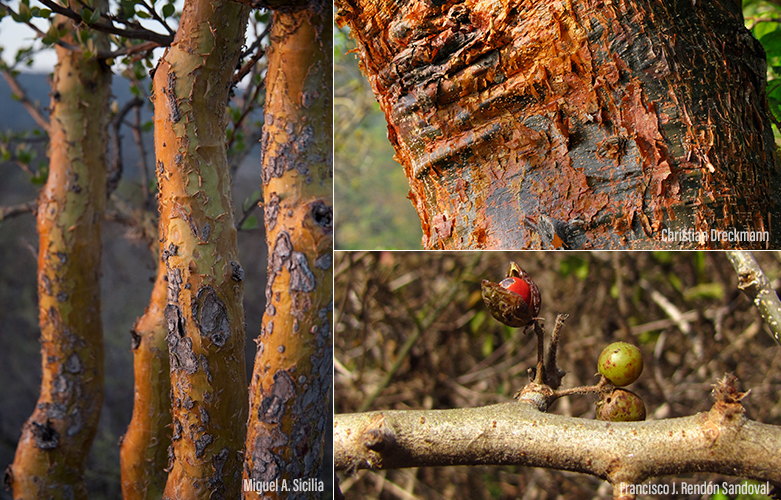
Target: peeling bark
x=291, y=382
x=204, y=316
x=537, y=124
x=55, y=442
x=144, y=448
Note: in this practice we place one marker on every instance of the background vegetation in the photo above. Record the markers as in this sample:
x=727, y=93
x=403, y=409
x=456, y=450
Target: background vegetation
x=371, y=189
x=412, y=332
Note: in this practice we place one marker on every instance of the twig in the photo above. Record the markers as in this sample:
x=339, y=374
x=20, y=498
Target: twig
x=101, y=54
x=116, y=167
x=143, y=166
x=259, y=53
x=668, y=307
x=141, y=34
x=754, y=283
x=20, y=94
x=539, y=332
x=14, y=210
x=553, y=374
x=247, y=212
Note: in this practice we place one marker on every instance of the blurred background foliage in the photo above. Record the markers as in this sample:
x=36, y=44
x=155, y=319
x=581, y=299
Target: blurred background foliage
x=763, y=18
x=412, y=332
x=372, y=211
x=371, y=205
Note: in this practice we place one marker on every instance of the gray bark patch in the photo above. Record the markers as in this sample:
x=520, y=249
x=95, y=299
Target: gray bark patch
x=216, y=481
x=170, y=93
x=265, y=463
x=271, y=211
x=179, y=346
x=323, y=215
x=205, y=365
x=174, y=278
x=211, y=316
x=73, y=364
x=201, y=444
x=135, y=339
x=46, y=438
x=238, y=272
x=281, y=253
x=206, y=230
x=324, y=261
x=272, y=408
x=301, y=277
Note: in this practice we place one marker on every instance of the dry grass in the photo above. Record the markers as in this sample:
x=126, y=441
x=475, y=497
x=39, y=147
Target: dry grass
x=462, y=357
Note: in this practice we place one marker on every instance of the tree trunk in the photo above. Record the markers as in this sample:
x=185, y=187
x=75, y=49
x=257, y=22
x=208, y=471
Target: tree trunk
x=56, y=439
x=594, y=124
x=291, y=381
x=204, y=313
x=144, y=448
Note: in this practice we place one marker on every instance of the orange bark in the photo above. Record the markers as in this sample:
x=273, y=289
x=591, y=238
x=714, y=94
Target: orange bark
x=591, y=124
x=291, y=381
x=144, y=448
x=204, y=314
x=52, y=451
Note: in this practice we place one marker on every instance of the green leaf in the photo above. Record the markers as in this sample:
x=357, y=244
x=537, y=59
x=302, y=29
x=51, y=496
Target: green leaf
x=95, y=17
x=250, y=222
x=488, y=346
x=250, y=199
x=44, y=13
x=168, y=10
x=40, y=178
x=142, y=14
x=148, y=126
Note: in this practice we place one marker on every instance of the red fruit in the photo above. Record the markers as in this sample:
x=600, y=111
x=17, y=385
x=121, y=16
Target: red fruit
x=518, y=286
x=515, y=301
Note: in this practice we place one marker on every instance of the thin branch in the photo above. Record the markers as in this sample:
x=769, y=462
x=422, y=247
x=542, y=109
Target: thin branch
x=38, y=32
x=757, y=20
x=102, y=54
x=722, y=440
x=280, y=5
x=116, y=167
x=156, y=17
x=141, y=34
x=143, y=166
x=13, y=210
x=20, y=94
x=255, y=204
x=756, y=286
x=259, y=52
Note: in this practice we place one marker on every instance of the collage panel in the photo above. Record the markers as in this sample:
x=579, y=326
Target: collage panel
x=541, y=375
x=166, y=250
x=557, y=125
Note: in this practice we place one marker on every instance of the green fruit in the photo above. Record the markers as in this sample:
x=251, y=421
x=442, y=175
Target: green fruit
x=621, y=363
x=620, y=405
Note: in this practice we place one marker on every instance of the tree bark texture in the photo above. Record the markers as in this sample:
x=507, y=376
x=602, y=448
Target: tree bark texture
x=721, y=440
x=563, y=124
x=204, y=314
x=291, y=381
x=56, y=439
x=144, y=448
